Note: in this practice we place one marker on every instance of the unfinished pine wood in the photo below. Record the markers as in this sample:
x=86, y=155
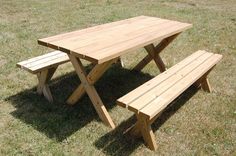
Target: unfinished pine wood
x=149, y=100
x=153, y=54
x=198, y=83
x=91, y=91
x=101, y=44
x=156, y=57
x=145, y=94
x=147, y=133
x=89, y=30
x=92, y=77
x=206, y=85
x=44, y=67
x=39, y=63
x=43, y=78
x=163, y=86
x=131, y=96
x=105, y=42
x=143, y=63
x=179, y=87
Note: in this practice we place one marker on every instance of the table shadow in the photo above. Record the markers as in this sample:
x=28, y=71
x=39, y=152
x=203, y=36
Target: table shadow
x=115, y=142
x=58, y=120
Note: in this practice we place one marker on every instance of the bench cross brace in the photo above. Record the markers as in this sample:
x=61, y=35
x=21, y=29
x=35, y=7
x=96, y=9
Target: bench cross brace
x=44, y=77
x=142, y=128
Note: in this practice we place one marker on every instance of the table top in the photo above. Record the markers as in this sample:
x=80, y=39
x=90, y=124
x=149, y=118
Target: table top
x=102, y=43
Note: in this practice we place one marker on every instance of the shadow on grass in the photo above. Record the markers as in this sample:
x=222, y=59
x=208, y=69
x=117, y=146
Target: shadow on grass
x=117, y=143
x=58, y=120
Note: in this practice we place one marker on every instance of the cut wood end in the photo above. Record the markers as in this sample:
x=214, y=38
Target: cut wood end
x=121, y=104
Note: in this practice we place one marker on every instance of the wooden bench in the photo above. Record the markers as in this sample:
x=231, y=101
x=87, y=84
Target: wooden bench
x=44, y=66
x=151, y=98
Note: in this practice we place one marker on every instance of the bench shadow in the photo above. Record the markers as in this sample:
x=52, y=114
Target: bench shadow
x=58, y=120
x=115, y=142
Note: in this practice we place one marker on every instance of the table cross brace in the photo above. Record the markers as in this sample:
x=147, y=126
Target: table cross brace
x=153, y=54
x=87, y=82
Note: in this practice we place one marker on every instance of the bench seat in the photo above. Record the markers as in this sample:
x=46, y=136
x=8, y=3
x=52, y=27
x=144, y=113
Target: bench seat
x=44, y=67
x=150, y=99
x=39, y=63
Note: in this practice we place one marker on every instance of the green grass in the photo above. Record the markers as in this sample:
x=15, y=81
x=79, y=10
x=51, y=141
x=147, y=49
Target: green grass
x=198, y=123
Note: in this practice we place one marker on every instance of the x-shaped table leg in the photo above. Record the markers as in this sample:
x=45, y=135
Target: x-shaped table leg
x=87, y=82
x=97, y=71
x=153, y=54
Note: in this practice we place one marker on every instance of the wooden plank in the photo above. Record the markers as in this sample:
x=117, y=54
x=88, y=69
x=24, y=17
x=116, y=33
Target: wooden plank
x=39, y=58
x=46, y=59
x=88, y=30
x=49, y=64
x=147, y=133
x=128, y=98
x=98, y=40
x=125, y=35
x=119, y=39
x=92, y=93
x=104, y=36
x=37, y=64
x=169, y=95
x=121, y=48
x=103, y=43
x=163, y=86
x=93, y=32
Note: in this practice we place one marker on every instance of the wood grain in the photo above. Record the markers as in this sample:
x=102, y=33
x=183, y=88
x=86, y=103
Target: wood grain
x=108, y=41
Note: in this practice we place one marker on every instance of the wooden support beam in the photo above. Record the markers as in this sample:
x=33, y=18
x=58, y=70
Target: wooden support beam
x=142, y=128
x=44, y=77
x=156, y=57
x=162, y=45
x=134, y=130
x=91, y=91
x=206, y=85
x=147, y=133
x=143, y=63
x=203, y=82
x=92, y=78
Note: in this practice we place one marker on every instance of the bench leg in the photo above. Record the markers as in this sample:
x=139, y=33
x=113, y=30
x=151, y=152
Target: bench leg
x=134, y=130
x=147, y=133
x=142, y=128
x=206, y=85
x=44, y=77
x=92, y=78
x=153, y=54
x=203, y=82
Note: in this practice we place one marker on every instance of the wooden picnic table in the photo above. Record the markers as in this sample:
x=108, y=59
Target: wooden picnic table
x=104, y=44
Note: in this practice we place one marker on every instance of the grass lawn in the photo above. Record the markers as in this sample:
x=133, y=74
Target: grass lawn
x=198, y=123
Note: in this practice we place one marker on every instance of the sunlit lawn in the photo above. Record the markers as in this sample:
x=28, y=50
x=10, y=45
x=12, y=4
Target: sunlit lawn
x=198, y=123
